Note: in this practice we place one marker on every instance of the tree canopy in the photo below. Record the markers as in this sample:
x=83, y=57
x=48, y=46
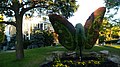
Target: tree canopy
x=64, y=7
x=20, y=8
x=112, y=6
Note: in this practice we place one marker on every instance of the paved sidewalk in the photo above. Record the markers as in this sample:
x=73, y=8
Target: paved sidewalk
x=7, y=51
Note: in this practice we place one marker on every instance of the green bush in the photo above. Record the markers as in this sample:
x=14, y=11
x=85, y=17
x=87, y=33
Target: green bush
x=37, y=39
x=101, y=39
x=111, y=41
x=48, y=38
x=42, y=38
x=26, y=43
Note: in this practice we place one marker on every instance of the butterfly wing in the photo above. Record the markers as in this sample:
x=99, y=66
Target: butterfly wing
x=92, y=26
x=65, y=31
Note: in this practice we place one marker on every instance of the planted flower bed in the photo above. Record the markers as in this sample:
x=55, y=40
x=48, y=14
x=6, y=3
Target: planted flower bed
x=74, y=61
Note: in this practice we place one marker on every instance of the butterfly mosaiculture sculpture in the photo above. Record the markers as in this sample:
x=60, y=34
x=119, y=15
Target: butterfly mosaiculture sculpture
x=79, y=36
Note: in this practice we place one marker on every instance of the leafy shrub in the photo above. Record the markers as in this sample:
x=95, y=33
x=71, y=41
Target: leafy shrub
x=42, y=38
x=37, y=39
x=111, y=41
x=26, y=43
x=101, y=39
x=48, y=38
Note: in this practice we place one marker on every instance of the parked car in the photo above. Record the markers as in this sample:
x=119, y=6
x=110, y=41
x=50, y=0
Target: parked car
x=118, y=42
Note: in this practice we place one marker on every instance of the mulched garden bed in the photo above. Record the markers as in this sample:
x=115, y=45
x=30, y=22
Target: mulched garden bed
x=74, y=61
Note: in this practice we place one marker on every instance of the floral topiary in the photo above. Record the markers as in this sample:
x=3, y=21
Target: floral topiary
x=92, y=26
x=71, y=37
x=78, y=37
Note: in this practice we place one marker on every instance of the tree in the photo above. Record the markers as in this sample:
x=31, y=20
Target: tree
x=17, y=9
x=112, y=4
x=2, y=28
x=104, y=30
x=109, y=31
x=113, y=7
x=115, y=30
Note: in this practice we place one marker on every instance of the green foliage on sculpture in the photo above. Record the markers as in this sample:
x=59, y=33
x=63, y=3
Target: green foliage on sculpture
x=82, y=37
x=92, y=26
x=65, y=30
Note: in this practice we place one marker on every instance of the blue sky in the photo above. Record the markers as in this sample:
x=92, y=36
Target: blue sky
x=85, y=9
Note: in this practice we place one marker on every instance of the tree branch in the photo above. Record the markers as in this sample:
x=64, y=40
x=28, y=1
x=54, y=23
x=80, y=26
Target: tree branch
x=25, y=3
x=4, y=7
x=7, y=22
x=29, y=8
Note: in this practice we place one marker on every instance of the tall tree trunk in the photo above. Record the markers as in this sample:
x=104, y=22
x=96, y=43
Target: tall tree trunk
x=19, y=38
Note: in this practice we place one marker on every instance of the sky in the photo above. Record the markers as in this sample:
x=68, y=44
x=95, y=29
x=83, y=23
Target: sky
x=86, y=7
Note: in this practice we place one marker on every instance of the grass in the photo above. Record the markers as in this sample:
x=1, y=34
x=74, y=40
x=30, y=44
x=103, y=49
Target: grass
x=33, y=57
x=113, y=49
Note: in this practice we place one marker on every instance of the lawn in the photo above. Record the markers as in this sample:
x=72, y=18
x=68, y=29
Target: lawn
x=114, y=49
x=33, y=57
